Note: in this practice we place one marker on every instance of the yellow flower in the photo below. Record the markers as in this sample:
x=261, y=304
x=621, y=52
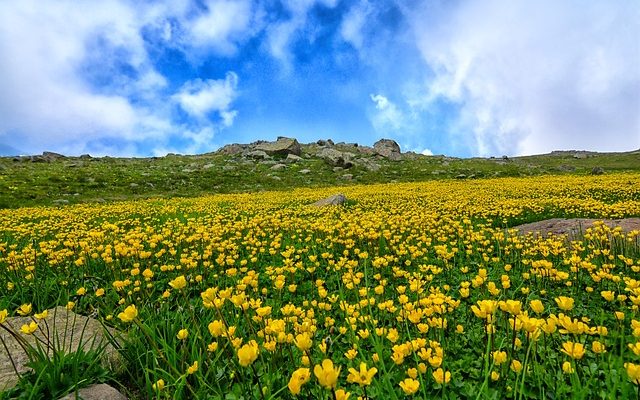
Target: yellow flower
x=363, y=376
x=351, y=354
x=633, y=370
x=565, y=303
x=100, y=292
x=441, y=376
x=484, y=308
x=573, y=350
x=619, y=315
x=495, y=376
x=327, y=375
x=537, y=306
x=159, y=385
x=211, y=347
x=41, y=315
x=3, y=315
x=516, y=366
x=193, y=368
x=598, y=347
x=410, y=386
x=499, y=357
x=635, y=347
x=178, y=283
x=129, y=314
x=248, y=353
x=567, y=368
x=303, y=341
x=29, y=329
x=70, y=305
x=81, y=292
x=298, y=378
x=342, y=395
x=608, y=295
x=24, y=309
x=459, y=329
x=182, y=334
x=216, y=328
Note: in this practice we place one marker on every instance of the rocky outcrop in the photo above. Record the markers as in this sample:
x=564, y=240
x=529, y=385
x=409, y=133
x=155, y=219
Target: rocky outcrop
x=388, y=148
x=336, y=158
x=232, y=149
x=282, y=147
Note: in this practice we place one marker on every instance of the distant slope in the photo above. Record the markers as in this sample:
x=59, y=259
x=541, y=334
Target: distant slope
x=52, y=179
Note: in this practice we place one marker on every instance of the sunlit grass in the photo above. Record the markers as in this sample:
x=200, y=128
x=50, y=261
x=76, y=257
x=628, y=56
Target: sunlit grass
x=414, y=289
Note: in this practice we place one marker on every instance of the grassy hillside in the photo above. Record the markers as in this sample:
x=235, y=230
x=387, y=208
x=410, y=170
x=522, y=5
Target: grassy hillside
x=61, y=180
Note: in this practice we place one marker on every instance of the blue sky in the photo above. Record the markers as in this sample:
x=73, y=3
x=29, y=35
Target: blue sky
x=462, y=78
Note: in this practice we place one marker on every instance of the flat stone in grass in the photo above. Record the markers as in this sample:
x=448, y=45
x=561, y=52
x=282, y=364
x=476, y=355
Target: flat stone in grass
x=575, y=227
x=66, y=329
x=99, y=391
x=335, y=200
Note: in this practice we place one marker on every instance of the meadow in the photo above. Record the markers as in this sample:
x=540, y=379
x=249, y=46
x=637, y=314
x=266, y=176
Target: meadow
x=418, y=290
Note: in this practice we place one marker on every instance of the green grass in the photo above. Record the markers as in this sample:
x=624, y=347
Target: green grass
x=74, y=180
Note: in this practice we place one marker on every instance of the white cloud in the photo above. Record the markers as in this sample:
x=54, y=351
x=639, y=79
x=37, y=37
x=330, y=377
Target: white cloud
x=223, y=24
x=426, y=152
x=387, y=116
x=62, y=80
x=353, y=23
x=531, y=77
x=201, y=97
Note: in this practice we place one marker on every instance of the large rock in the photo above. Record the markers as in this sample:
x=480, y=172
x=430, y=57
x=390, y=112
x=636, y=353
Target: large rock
x=292, y=158
x=335, y=200
x=575, y=227
x=336, y=158
x=282, y=146
x=388, y=148
x=70, y=331
x=51, y=156
x=100, y=391
x=258, y=155
x=231, y=149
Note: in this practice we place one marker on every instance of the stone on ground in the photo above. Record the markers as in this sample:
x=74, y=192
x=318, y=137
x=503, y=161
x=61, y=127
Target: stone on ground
x=69, y=330
x=335, y=200
x=100, y=391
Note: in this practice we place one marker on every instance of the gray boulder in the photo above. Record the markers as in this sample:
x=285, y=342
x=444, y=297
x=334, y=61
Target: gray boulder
x=597, y=171
x=368, y=164
x=69, y=330
x=51, y=156
x=292, y=158
x=231, y=149
x=336, y=158
x=388, y=148
x=258, y=155
x=335, y=200
x=282, y=146
x=278, y=167
x=100, y=391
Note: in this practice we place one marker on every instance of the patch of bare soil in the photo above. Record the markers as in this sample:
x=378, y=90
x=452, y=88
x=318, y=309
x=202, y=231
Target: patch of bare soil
x=575, y=227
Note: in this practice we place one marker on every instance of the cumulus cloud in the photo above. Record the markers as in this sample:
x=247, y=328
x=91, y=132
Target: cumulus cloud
x=201, y=97
x=387, y=116
x=77, y=76
x=531, y=77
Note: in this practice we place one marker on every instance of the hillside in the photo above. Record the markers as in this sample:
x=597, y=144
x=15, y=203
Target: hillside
x=51, y=178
